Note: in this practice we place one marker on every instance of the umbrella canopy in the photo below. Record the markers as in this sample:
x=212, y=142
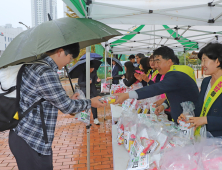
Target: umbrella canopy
x=80, y=66
x=92, y=55
x=28, y=45
x=118, y=63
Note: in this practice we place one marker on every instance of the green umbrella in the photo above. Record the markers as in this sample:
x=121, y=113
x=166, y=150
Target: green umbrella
x=28, y=45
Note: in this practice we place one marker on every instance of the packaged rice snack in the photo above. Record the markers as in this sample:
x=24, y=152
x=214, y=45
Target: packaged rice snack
x=153, y=116
x=83, y=116
x=145, y=109
x=108, y=99
x=105, y=86
x=188, y=111
x=139, y=163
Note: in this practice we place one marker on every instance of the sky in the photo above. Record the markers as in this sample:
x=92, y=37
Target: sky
x=14, y=11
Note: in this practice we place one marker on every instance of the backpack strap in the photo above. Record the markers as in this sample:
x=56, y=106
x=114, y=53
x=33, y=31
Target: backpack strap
x=21, y=116
x=11, y=89
x=19, y=79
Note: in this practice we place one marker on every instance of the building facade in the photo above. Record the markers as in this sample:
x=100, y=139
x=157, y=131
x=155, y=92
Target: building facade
x=7, y=34
x=41, y=9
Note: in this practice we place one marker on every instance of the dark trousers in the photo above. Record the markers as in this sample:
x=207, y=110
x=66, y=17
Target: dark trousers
x=26, y=157
x=94, y=112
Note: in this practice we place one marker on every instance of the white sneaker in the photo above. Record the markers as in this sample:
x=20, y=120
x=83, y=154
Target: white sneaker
x=96, y=121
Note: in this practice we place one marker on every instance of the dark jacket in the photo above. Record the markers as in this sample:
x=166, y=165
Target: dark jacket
x=129, y=82
x=115, y=72
x=82, y=83
x=178, y=86
x=214, y=116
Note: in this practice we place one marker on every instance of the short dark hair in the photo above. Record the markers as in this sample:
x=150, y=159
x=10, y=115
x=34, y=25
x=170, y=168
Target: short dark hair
x=166, y=53
x=140, y=55
x=131, y=57
x=72, y=49
x=213, y=51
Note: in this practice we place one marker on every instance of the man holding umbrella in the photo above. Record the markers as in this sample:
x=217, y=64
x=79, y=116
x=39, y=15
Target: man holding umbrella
x=31, y=140
x=29, y=143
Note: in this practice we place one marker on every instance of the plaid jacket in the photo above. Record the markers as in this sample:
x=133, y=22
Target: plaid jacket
x=41, y=81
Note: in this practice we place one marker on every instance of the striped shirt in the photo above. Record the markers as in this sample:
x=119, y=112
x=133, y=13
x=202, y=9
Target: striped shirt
x=42, y=81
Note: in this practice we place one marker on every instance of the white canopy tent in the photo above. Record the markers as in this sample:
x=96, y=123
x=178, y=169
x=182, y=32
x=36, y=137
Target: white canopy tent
x=150, y=37
x=148, y=24
x=197, y=22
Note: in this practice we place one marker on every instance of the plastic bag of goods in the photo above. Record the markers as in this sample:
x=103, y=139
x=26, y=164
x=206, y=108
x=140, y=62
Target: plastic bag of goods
x=188, y=111
x=130, y=121
x=139, y=163
x=105, y=86
x=108, y=99
x=83, y=116
x=126, y=104
x=120, y=131
x=145, y=141
x=211, y=156
x=180, y=158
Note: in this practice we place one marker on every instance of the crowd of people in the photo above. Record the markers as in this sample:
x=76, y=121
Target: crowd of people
x=177, y=83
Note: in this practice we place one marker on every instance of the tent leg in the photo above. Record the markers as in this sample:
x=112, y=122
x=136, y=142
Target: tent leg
x=88, y=97
x=69, y=79
x=88, y=146
x=105, y=76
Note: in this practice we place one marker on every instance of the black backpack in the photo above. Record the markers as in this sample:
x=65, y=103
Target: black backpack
x=10, y=113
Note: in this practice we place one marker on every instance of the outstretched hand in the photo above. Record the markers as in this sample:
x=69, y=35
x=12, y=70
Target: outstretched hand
x=96, y=103
x=159, y=109
x=121, y=97
x=138, y=76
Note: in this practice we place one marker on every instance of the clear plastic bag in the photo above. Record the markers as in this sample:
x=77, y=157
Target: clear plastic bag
x=105, y=86
x=188, y=111
x=83, y=116
x=108, y=99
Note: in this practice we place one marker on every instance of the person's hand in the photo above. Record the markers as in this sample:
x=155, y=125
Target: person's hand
x=98, y=80
x=96, y=103
x=121, y=97
x=145, y=77
x=159, y=109
x=75, y=96
x=196, y=122
x=138, y=76
x=90, y=81
x=123, y=77
x=108, y=78
x=182, y=117
x=159, y=102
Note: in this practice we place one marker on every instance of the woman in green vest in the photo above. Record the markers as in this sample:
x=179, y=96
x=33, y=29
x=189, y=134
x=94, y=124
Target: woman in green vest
x=208, y=111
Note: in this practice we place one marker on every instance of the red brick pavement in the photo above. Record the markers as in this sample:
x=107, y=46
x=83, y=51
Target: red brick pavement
x=70, y=143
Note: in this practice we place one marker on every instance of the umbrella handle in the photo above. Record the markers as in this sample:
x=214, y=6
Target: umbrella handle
x=69, y=79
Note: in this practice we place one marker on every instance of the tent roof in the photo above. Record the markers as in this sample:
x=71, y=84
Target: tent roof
x=146, y=25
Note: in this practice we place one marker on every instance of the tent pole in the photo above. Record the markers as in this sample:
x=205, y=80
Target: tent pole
x=184, y=57
x=111, y=63
x=88, y=97
x=105, y=76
